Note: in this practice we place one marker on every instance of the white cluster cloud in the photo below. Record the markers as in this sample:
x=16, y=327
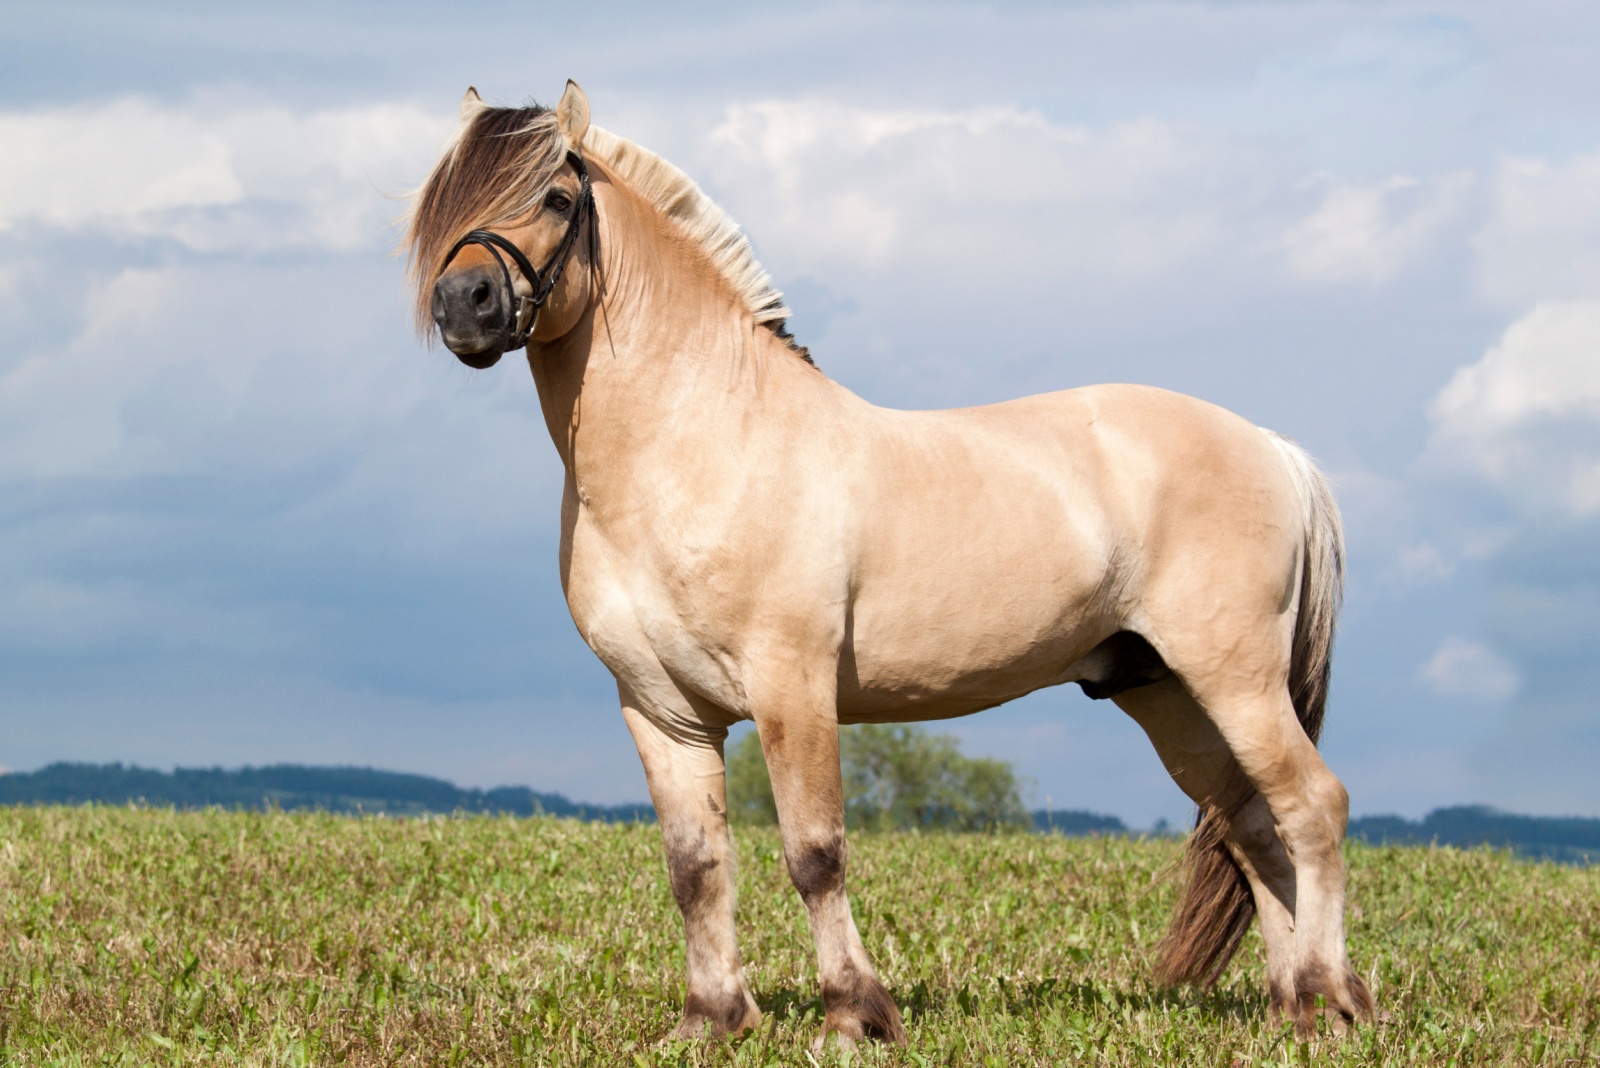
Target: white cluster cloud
x=1466, y=669
x=1012, y=201
x=234, y=368
x=1526, y=417
x=1370, y=232
x=213, y=178
x=999, y=194
x=833, y=185
x=253, y=372
x=1541, y=240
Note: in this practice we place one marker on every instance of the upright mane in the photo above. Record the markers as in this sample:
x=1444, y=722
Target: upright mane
x=498, y=167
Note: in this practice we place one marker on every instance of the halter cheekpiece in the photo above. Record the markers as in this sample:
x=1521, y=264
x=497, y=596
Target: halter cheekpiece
x=526, y=309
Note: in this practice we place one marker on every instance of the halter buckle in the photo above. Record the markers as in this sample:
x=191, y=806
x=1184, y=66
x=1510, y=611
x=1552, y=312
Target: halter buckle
x=527, y=315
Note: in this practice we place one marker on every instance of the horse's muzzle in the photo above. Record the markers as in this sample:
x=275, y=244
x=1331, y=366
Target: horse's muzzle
x=469, y=306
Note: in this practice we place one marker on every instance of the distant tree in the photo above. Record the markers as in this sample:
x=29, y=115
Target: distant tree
x=895, y=778
x=749, y=789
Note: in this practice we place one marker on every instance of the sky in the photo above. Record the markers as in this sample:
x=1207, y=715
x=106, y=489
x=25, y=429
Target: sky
x=247, y=516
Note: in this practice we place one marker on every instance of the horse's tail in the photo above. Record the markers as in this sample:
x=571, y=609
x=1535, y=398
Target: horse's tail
x=1217, y=907
x=1321, y=588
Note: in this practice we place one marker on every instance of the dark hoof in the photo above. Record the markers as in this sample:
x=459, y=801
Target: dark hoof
x=1343, y=1004
x=860, y=1008
x=728, y=1015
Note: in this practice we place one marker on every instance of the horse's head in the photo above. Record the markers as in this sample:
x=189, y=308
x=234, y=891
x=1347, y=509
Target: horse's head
x=496, y=234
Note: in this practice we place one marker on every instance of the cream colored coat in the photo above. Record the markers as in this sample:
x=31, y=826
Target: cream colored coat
x=745, y=539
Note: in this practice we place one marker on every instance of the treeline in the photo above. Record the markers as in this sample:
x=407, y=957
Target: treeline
x=291, y=787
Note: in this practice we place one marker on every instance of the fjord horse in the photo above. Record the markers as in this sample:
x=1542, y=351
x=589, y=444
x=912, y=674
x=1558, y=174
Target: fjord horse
x=744, y=539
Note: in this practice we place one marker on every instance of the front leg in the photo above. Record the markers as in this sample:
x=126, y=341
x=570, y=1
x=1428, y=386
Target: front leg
x=800, y=740
x=688, y=787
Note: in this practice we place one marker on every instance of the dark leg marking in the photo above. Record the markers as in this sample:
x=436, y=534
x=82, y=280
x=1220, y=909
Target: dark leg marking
x=691, y=871
x=1314, y=979
x=819, y=869
x=771, y=735
x=1309, y=981
x=1280, y=1002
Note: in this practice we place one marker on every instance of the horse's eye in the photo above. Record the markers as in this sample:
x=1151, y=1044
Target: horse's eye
x=557, y=201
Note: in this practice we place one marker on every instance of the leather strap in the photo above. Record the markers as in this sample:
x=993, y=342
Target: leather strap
x=518, y=331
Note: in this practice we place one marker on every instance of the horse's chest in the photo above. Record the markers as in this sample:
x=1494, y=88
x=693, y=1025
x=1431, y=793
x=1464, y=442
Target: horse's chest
x=655, y=635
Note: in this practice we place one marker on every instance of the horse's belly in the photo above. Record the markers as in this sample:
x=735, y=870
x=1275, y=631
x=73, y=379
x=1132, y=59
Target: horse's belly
x=950, y=655
x=983, y=576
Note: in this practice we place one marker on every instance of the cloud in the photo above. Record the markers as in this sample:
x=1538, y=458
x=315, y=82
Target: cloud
x=213, y=178
x=249, y=373
x=1541, y=240
x=985, y=197
x=1467, y=669
x=110, y=165
x=1369, y=233
x=1526, y=416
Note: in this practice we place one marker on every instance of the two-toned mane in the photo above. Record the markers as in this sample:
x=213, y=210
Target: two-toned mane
x=500, y=162
x=743, y=538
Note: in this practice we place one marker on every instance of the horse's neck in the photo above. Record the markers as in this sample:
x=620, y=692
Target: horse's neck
x=661, y=361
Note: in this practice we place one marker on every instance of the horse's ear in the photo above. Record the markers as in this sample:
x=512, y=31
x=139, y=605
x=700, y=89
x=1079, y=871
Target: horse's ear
x=470, y=103
x=572, y=115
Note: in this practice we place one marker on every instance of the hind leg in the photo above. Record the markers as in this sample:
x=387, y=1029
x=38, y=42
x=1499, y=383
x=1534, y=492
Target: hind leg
x=1198, y=759
x=1309, y=809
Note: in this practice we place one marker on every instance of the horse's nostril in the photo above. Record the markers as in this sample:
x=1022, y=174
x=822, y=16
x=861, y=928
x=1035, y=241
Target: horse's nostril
x=480, y=294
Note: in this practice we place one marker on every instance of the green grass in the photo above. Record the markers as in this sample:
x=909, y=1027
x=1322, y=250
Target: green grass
x=152, y=937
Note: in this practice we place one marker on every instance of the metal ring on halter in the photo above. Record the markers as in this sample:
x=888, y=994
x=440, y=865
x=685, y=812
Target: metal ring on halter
x=525, y=310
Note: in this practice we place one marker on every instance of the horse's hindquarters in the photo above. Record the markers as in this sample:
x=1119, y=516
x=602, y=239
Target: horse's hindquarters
x=997, y=547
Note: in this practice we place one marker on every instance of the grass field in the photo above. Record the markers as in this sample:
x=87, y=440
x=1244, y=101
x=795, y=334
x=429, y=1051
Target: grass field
x=152, y=937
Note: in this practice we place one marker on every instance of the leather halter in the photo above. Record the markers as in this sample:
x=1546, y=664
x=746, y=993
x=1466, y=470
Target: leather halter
x=526, y=309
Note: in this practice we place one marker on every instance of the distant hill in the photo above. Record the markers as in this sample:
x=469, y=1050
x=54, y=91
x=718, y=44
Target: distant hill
x=1569, y=839
x=350, y=789
x=290, y=787
x=1075, y=823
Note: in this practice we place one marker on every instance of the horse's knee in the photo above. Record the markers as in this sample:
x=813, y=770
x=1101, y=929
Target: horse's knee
x=817, y=867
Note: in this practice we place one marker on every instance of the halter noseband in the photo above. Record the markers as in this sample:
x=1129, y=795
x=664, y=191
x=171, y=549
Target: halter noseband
x=526, y=309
